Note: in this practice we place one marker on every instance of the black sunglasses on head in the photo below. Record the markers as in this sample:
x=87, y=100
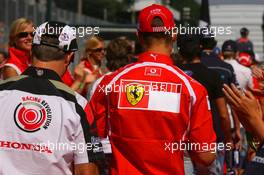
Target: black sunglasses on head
x=25, y=34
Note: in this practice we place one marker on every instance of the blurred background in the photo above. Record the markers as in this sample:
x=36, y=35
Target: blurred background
x=118, y=17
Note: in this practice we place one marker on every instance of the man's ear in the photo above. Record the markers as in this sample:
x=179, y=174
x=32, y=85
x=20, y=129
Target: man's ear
x=137, y=34
x=139, y=38
x=69, y=58
x=174, y=37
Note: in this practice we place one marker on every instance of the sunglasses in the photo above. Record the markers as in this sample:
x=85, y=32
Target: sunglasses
x=99, y=50
x=25, y=34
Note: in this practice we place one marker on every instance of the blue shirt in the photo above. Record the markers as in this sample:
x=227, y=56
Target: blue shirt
x=226, y=71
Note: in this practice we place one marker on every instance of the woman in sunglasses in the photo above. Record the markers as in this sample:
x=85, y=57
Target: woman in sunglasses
x=94, y=54
x=92, y=61
x=20, y=43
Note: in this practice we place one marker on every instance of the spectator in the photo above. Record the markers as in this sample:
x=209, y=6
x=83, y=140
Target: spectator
x=226, y=71
x=212, y=61
x=149, y=96
x=245, y=81
x=40, y=113
x=20, y=42
x=250, y=115
x=94, y=54
x=244, y=45
x=92, y=61
x=245, y=59
x=118, y=54
x=192, y=66
x=243, y=74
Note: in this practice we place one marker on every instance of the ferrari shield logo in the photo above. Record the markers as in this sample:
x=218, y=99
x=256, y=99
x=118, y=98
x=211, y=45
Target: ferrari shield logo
x=134, y=93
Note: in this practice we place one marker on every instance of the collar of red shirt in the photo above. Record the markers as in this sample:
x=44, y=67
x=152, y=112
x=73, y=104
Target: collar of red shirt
x=88, y=65
x=19, y=56
x=154, y=57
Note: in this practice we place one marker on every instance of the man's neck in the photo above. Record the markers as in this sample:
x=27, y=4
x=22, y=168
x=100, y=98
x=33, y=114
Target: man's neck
x=159, y=49
x=52, y=65
x=195, y=60
x=208, y=50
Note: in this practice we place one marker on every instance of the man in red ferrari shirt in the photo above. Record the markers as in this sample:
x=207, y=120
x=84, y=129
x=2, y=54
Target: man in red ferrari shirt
x=147, y=109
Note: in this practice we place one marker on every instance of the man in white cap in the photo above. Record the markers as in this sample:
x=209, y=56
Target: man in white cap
x=46, y=127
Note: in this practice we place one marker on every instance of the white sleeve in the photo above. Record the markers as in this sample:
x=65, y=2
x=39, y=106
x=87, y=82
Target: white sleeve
x=80, y=147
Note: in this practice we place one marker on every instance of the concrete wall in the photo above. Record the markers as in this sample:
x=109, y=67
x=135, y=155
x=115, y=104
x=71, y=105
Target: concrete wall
x=238, y=16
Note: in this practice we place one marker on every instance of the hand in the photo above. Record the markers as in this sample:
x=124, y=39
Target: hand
x=246, y=105
x=79, y=71
x=96, y=72
x=257, y=72
x=89, y=78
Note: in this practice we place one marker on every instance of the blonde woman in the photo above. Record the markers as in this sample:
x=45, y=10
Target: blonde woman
x=92, y=61
x=20, y=43
x=94, y=54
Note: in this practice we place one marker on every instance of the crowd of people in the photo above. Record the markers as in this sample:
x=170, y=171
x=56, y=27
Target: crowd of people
x=134, y=110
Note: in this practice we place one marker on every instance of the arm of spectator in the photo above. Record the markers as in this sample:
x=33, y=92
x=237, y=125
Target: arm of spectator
x=79, y=77
x=248, y=110
x=79, y=71
x=90, y=78
x=9, y=72
x=86, y=169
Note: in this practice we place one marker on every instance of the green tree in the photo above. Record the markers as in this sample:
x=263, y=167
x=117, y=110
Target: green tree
x=193, y=5
x=97, y=8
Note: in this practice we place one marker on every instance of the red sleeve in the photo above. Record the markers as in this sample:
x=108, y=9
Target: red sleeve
x=98, y=105
x=89, y=114
x=67, y=78
x=201, y=124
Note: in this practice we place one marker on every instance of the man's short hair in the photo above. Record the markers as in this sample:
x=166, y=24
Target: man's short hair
x=189, y=46
x=47, y=53
x=118, y=53
x=228, y=55
x=149, y=37
x=208, y=43
x=53, y=40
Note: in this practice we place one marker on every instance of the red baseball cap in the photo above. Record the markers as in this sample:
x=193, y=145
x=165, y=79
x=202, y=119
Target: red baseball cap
x=245, y=59
x=147, y=14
